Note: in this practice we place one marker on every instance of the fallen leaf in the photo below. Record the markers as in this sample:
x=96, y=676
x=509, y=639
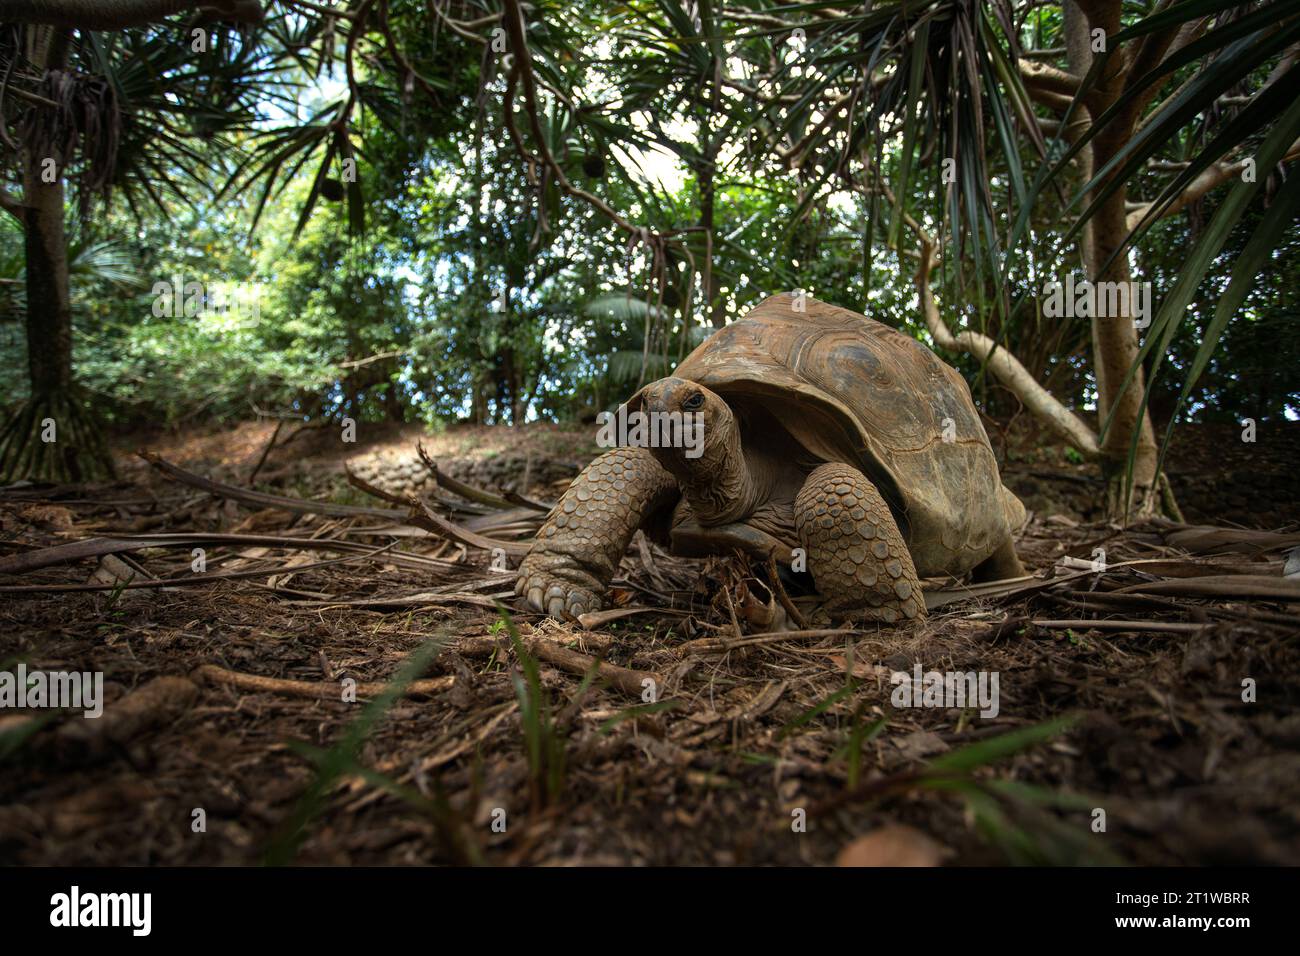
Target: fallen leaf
x=893, y=845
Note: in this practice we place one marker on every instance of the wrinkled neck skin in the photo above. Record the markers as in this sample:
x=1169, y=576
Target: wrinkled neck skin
x=718, y=484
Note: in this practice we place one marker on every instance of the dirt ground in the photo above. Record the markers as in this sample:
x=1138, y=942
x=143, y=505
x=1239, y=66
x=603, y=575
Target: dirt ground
x=1147, y=712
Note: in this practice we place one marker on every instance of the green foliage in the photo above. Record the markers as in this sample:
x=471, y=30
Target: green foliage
x=451, y=279
x=544, y=744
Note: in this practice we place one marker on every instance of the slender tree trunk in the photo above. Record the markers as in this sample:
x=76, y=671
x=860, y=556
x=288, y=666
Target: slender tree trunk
x=478, y=407
x=49, y=307
x=1115, y=342
x=502, y=400
x=712, y=303
x=50, y=436
x=514, y=387
x=1115, y=348
x=393, y=403
x=708, y=195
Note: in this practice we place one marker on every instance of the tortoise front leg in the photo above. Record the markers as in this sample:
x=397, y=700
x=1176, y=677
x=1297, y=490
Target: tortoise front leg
x=856, y=553
x=579, y=547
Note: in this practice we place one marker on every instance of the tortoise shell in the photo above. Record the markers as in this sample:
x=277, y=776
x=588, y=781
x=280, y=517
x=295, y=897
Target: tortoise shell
x=850, y=389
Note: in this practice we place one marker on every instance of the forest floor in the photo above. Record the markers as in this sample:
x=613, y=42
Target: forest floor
x=1148, y=712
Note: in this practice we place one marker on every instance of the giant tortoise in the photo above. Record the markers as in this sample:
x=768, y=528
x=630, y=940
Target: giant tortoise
x=831, y=442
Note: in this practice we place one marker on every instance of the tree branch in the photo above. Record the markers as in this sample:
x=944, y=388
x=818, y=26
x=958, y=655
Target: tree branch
x=120, y=14
x=340, y=12
x=460, y=28
x=516, y=28
x=1041, y=403
x=1153, y=51
x=1049, y=78
x=1057, y=102
x=1006, y=368
x=1210, y=178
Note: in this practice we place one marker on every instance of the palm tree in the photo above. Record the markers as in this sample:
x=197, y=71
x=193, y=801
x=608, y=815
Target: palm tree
x=102, y=112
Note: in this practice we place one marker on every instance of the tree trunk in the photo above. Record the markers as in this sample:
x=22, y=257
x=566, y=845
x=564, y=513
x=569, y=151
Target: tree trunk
x=712, y=303
x=50, y=436
x=1115, y=347
x=393, y=404
x=514, y=388
x=478, y=401
x=49, y=308
x=1114, y=337
x=708, y=195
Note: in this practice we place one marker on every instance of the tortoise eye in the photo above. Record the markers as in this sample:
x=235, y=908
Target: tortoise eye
x=694, y=402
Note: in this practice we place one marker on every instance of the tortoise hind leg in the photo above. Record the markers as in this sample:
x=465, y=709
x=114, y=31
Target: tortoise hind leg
x=856, y=553
x=1000, y=565
x=578, y=548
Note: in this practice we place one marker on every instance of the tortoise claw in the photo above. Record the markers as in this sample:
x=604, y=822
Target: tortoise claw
x=553, y=591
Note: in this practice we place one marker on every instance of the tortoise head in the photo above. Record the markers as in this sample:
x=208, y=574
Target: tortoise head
x=706, y=459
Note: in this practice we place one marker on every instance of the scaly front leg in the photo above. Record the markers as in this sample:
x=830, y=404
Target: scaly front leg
x=857, y=556
x=579, y=547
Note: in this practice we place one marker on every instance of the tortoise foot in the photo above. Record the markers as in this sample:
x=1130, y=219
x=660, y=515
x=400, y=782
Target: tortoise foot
x=578, y=548
x=555, y=585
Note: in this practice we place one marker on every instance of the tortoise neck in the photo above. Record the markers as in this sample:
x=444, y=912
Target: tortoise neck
x=719, y=484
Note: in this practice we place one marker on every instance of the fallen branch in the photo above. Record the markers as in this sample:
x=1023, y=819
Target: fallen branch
x=468, y=492
x=715, y=645
x=157, y=703
x=575, y=662
x=373, y=490
x=566, y=659
x=1209, y=539
x=422, y=517
x=1241, y=586
x=97, y=547
x=262, y=499
x=594, y=619
x=425, y=599
x=989, y=589
x=1171, y=627
x=189, y=580
x=218, y=676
